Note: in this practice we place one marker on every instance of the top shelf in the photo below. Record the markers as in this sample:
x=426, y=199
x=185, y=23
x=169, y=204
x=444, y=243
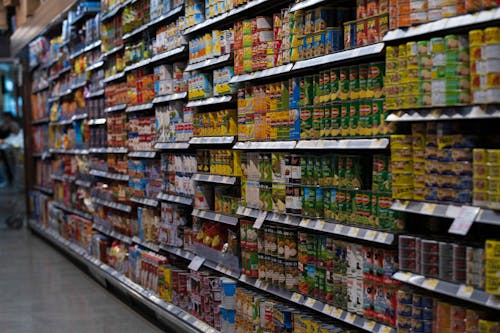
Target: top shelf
x=163, y=18
x=447, y=113
x=305, y=4
x=229, y=16
x=457, y=22
x=115, y=10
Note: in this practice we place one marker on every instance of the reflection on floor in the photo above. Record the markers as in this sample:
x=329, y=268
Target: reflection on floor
x=42, y=291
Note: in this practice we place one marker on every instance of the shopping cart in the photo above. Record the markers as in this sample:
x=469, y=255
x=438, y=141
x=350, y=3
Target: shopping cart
x=12, y=198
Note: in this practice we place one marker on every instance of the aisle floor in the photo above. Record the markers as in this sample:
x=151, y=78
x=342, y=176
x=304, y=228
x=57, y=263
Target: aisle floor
x=42, y=291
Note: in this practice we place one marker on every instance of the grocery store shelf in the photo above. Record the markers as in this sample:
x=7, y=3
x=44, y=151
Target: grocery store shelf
x=80, y=116
x=41, y=88
x=109, y=175
x=142, y=154
x=347, y=55
x=267, y=145
x=73, y=211
x=145, y=201
x=158, y=20
x=53, y=99
x=164, y=18
x=264, y=74
x=111, y=233
x=326, y=309
x=41, y=121
x=140, y=107
x=69, y=151
x=218, y=179
x=63, y=178
x=178, y=252
x=83, y=183
x=76, y=54
x=98, y=121
x=305, y=4
x=447, y=113
x=147, y=245
x=78, y=85
x=212, y=140
x=175, y=199
x=180, y=320
x=169, y=98
x=95, y=66
x=114, y=77
x=58, y=74
x=87, y=12
x=230, y=15
x=486, y=216
x=135, y=32
x=115, y=108
x=462, y=21
x=92, y=46
x=112, y=51
x=235, y=274
x=380, y=143
x=115, y=10
x=330, y=227
x=172, y=145
x=460, y=291
x=137, y=65
x=108, y=150
x=209, y=101
x=213, y=216
x=113, y=205
x=208, y=63
x=43, y=189
x=168, y=54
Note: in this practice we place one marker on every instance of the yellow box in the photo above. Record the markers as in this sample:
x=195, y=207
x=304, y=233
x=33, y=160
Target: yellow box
x=492, y=250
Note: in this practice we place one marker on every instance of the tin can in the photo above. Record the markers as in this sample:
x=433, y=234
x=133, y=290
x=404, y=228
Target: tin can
x=333, y=40
x=326, y=121
x=318, y=115
x=354, y=118
x=336, y=117
x=344, y=83
x=365, y=118
x=492, y=35
x=354, y=82
x=344, y=119
x=326, y=91
x=476, y=37
x=376, y=80
x=363, y=80
x=335, y=84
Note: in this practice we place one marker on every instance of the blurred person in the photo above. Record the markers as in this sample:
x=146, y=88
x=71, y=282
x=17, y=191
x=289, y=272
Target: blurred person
x=9, y=129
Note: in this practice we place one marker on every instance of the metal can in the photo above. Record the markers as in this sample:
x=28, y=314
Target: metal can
x=335, y=122
x=344, y=118
x=335, y=84
x=344, y=83
x=354, y=118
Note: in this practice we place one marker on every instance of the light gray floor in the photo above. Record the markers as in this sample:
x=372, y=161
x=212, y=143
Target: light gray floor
x=42, y=291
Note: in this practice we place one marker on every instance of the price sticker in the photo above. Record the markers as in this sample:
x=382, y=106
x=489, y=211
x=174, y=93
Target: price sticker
x=258, y=283
x=320, y=225
x=353, y=232
x=465, y=291
x=462, y=223
x=304, y=223
x=405, y=276
x=196, y=263
x=382, y=237
x=369, y=325
x=350, y=318
x=327, y=309
x=430, y=284
x=337, y=313
x=385, y=329
x=428, y=208
x=310, y=302
x=493, y=301
x=260, y=220
x=338, y=229
x=296, y=297
x=217, y=217
x=370, y=235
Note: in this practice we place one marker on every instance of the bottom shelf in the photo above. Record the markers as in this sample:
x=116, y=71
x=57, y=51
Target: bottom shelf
x=178, y=319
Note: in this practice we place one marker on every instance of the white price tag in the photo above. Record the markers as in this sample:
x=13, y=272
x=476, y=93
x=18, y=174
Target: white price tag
x=381, y=237
x=430, y=284
x=353, y=232
x=304, y=223
x=338, y=229
x=337, y=313
x=196, y=263
x=369, y=325
x=217, y=217
x=462, y=223
x=465, y=291
x=260, y=220
x=385, y=329
x=350, y=318
x=296, y=297
x=320, y=225
x=310, y=302
x=493, y=301
x=370, y=235
x=428, y=208
x=328, y=309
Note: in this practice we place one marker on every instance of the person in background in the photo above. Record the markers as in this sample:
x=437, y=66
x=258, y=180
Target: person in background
x=8, y=129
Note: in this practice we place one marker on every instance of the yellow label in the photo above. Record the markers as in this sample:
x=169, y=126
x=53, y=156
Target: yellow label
x=430, y=284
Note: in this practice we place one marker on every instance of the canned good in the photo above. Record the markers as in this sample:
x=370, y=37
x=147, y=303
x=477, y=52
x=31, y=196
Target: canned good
x=434, y=14
x=344, y=83
x=354, y=82
x=476, y=37
x=456, y=42
x=353, y=118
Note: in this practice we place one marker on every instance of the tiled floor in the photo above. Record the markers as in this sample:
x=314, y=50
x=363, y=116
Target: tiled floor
x=42, y=291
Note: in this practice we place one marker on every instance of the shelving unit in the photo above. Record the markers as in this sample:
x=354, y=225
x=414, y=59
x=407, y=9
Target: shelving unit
x=180, y=139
